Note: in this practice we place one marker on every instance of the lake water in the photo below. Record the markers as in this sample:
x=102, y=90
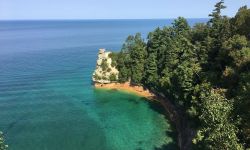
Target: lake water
x=47, y=101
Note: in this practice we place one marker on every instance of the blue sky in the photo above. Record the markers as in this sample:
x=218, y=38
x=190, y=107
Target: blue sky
x=112, y=9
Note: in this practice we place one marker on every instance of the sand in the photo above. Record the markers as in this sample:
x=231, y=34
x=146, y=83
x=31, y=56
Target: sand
x=127, y=87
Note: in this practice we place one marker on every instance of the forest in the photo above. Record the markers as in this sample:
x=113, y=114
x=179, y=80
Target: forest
x=204, y=70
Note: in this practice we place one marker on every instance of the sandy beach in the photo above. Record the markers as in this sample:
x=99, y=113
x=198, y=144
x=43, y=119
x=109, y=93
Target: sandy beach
x=138, y=90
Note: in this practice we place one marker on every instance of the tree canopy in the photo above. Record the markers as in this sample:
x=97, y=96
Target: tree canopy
x=203, y=69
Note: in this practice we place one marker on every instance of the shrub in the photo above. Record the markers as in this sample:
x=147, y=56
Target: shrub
x=112, y=77
x=104, y=65
x=96, y=77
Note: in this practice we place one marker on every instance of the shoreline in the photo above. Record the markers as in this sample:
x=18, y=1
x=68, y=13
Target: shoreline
x=127, y=87
x=176, y=116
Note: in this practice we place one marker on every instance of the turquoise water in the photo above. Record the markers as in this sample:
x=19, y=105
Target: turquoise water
x=47, y=101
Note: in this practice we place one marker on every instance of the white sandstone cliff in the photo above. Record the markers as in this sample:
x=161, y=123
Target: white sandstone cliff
x=104, y=72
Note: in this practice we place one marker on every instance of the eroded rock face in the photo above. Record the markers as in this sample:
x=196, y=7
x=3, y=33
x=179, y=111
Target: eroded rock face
x=104, y=72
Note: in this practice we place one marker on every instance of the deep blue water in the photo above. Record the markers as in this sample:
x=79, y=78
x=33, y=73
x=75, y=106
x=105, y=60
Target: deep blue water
x=47, y=101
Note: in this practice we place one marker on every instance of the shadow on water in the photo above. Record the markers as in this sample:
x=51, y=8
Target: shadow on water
x=170, y=146
x=155, y=106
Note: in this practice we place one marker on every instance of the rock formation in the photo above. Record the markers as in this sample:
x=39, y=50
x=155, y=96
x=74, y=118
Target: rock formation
x=104, y=72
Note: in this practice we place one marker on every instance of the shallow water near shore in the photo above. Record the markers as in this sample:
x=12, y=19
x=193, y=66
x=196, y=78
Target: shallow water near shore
x=47, y=101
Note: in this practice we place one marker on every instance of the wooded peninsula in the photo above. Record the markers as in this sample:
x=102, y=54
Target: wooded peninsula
x=204, y=70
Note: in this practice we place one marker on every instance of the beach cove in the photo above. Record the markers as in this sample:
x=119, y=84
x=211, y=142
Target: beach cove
x=184, y=132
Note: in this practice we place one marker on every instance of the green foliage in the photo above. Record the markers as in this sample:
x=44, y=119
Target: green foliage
x=151, y=76
x=241, y=22
x=112, y=77
x=123, y=65
x=172, y=65
x=114, y=57
x=153, y=45
x=137, y=55
x=216, y=14
x=219, y=32
x=96, y=77
x=217, y=129
x=234, y=55
x=109, y=69
x=104, y=78
x=236, y=51
x=181, y=26
x=131, y=59
x=104, y=65
x=201, y=41
x=187, y=65
x=243, y=104
x=2, y=145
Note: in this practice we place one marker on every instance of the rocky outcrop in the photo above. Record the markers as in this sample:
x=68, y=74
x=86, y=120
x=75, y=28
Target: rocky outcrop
x=105, y=72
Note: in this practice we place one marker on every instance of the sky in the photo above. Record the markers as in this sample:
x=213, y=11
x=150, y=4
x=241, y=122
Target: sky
x=112, y=9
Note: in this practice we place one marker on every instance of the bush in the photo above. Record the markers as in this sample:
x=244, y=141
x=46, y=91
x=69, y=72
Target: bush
x=114, y=57
x=104, y=78
x=104, y=65
x=112, y=77
x=96, y=77
x=109, y=69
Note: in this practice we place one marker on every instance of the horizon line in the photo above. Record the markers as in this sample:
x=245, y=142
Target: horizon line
x=98, y=19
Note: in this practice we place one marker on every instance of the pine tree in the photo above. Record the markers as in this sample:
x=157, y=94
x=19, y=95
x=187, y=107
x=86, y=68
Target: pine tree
x=241, y=22
x=217, y=129
x=137, y=54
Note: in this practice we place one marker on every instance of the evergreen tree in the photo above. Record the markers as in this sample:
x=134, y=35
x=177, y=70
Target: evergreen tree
x=200, y=39
x=204, y=70
x=242, y=104
x=150, y=76
x=241, y=22
x=123, y=67
x=131, y=59
x=151, y=71
x=219, y=31
x=124, y=60
x=217, y=130
x=137, y=55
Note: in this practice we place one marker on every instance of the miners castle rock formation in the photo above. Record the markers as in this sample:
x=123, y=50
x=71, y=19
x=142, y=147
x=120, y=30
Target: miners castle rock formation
x=105, y=72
